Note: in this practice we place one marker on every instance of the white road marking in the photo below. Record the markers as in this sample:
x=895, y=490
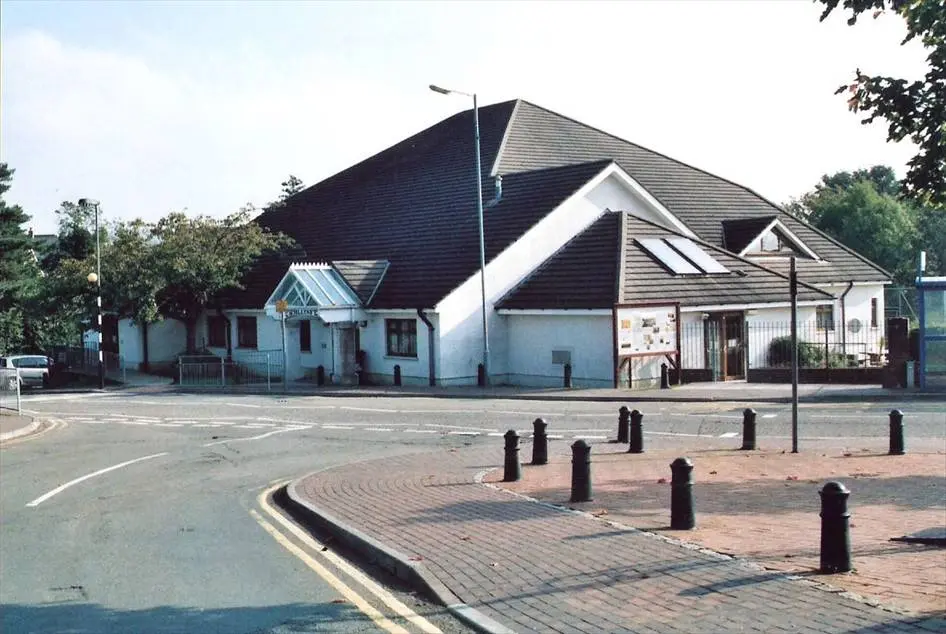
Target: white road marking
x=465, y=427
x=368, y=583
x=554, y=436
x=584, y=437
x=247, y=426
x=378, y=429
x=260, y=437
x=729, y=434
x=498, y=433
x=182, y=422
x=337, y=427
x=421, y=431
x=463, y=433
x=65, y=486
x=370, y=409
x=250, y=405
x=167, y=424
x=205, y=425
x=769, y=415
x=134, y=422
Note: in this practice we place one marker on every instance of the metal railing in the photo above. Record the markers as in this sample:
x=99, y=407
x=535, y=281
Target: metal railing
x=86, y=361
x=763, y=345
x=10, y=389
x=256, y=368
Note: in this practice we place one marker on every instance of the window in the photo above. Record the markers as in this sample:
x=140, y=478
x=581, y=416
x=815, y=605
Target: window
x=401, y=337
x=246, y=332
x=771, y=243
x=217, y=331
x=305, y=336
x=825, y=317
x=873, y=312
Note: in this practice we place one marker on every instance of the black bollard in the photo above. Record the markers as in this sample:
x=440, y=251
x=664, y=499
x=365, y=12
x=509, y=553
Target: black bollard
x=513, y=470
x=624, y=419
x=567, y=379
x=581, y=471
x=897, y=447
x=835, y=532
x=664, y=377
x=320, y=375
x=540, y=442
x=637, y=432
x=481, y=375
x=682, y=516
x=397, y=375
x=748, y=428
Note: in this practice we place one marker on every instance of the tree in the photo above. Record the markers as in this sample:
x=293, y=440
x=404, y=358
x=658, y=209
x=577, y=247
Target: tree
x=914, y=109
x=290, y=187
x=198, y=258
x=19, y=273
x=878, y=226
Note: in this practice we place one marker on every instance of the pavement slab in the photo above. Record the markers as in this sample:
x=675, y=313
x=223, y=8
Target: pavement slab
x=535, y=567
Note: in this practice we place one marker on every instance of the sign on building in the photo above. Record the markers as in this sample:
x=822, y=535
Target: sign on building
x=645, y=330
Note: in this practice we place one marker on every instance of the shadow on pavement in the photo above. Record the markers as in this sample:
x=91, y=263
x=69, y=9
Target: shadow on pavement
x=92, y=618
x=762, y=496
x=483, y=511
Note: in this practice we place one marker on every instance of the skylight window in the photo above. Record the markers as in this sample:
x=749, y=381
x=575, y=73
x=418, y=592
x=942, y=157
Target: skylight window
x=668, y=257
x=698, y=256
x=682, y=256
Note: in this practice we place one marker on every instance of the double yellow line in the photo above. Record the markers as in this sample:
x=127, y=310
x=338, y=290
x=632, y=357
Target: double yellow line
x=366, y=582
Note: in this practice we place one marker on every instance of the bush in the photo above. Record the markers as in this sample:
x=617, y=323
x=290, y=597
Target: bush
x=780, y=353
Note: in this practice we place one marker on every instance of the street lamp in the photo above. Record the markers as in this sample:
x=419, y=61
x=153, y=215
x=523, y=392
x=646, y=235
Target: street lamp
x=96, y=278
x=479, y=213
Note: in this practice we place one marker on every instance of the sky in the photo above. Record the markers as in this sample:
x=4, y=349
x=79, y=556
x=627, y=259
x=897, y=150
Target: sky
x=203, y=107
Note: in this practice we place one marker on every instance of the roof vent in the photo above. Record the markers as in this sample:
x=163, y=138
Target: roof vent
x=498, y=187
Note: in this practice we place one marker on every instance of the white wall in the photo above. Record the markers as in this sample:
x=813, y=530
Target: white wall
x=460, y=312
x=612, y=193
x=167, y=339
x=532, y=338
x=380, y=366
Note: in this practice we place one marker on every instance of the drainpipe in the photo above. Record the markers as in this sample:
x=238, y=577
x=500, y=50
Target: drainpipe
x=850, y=285
x=431, y=370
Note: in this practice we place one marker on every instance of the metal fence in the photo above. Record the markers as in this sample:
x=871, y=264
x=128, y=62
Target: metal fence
x=730, y=347
x=86, y=361
x=263, y=367
x=10, y=389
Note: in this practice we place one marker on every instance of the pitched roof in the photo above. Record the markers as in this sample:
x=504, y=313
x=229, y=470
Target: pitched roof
x=539, y=138
x=590, y=272
x=414, y=204
x=364, y=276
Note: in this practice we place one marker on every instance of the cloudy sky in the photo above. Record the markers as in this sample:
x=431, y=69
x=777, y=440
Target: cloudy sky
x=205, y=106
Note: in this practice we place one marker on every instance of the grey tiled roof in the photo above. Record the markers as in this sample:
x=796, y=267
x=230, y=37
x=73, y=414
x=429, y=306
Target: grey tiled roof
x=540, y=138
x=364, y=276
x=585, y=273
x=414, y=204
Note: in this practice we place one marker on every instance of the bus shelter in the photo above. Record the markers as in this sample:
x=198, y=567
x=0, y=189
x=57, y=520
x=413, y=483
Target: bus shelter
x=931, y=293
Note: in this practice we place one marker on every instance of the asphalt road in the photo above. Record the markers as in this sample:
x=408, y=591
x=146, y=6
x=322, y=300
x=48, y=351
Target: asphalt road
x=173, y=542
x=159, y=529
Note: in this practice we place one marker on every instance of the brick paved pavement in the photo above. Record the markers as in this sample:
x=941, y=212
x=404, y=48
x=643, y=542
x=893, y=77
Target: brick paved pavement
x=535, y=568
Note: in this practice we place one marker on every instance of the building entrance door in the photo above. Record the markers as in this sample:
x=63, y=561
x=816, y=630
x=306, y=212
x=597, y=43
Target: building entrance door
x=726, y=346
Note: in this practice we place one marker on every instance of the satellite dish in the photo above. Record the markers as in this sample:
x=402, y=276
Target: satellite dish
x=854, y=325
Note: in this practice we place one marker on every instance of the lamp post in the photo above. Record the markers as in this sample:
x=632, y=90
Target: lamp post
x=479, y=213
x=96, y=278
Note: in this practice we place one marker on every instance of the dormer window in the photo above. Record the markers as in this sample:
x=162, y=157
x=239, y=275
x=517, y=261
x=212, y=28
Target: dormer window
x=775, y=239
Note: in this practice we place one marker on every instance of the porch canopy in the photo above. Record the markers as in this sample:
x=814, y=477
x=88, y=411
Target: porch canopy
x=316, y=290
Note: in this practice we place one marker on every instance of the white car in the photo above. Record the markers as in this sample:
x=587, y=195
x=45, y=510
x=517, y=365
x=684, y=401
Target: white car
x=33, y=368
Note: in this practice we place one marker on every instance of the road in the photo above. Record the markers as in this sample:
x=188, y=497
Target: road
x=142, y=512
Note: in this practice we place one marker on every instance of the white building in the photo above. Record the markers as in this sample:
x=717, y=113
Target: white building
x=576, y=223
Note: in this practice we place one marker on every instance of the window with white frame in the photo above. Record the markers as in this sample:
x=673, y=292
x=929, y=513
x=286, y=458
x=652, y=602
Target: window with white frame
x=401, y=337
x=824, y=317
